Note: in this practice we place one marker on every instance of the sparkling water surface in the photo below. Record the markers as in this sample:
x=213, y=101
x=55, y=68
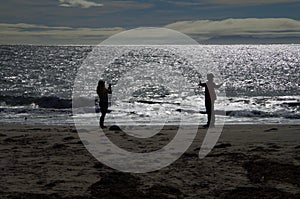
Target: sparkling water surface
x=262, y=82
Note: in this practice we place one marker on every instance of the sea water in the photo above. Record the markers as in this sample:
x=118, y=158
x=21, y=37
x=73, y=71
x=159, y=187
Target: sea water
x=261, y=83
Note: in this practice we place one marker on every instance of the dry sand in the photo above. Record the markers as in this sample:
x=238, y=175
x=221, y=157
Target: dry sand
x=249, y=161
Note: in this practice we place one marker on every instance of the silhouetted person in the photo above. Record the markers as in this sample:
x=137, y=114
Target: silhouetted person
x=210, y=97
x=103, y=97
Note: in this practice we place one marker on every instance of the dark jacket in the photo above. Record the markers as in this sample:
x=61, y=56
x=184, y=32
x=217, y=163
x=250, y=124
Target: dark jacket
x=210, y=93
x=103, y=96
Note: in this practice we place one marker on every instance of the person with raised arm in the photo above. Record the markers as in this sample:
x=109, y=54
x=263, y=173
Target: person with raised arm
x=210, y=97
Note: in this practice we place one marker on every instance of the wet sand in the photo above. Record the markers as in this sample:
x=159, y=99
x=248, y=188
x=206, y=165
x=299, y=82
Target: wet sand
x=249, y=161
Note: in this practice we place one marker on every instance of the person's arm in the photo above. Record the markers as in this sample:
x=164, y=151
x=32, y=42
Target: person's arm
x=109, y=89
x=201, y=84
x=97, y=91
x=218, y=86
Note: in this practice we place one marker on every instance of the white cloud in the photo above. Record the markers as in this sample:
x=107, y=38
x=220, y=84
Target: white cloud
x=201, y=30
x=267, y=27
x=109, y=4
x=39, y=34
x=78, y=3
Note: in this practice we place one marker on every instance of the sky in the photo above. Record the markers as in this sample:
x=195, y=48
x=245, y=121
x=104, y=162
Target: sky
x=92, y=21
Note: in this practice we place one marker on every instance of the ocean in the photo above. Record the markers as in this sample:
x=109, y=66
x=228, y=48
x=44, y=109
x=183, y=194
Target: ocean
x=151, y=84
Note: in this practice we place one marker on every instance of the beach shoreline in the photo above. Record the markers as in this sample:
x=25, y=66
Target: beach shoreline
x=249, y=160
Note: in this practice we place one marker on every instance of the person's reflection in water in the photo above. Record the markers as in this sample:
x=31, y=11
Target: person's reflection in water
x=210, y=97
x=103, y=97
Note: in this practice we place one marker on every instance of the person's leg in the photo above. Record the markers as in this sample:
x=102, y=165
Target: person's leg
x=208, y=106
x=212, y=120
x=103, y=113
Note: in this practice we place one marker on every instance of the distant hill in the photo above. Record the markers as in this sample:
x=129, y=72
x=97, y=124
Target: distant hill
x=249, y=40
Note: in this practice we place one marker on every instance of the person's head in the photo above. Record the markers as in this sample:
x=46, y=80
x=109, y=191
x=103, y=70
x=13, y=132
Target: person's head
x=101, y=83
x=210, y=77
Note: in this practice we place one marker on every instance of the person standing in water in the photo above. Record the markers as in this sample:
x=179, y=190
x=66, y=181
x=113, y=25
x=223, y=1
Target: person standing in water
x=210, y=97
x=103, y=97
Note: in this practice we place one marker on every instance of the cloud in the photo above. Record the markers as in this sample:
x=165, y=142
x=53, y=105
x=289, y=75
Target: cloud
x=268, y=30
x=78, y=3
x=248, y=2
x=227, y=2
x=23, y=33
x=110, y=4
x=265, y=27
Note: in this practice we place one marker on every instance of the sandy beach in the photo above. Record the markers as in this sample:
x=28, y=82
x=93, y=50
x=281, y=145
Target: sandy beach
x=249, y=161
